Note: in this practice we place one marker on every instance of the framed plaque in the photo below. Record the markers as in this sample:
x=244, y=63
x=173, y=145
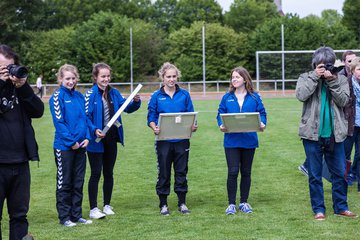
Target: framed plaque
x=176, y=125
x=241, y=122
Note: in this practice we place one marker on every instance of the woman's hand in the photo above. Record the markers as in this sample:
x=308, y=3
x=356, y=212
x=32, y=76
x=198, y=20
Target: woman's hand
x=99, y=134
x=137, y=98
x=156, y=130
x=262, y=126
x=84, y=143
x=75, y=146
x=194, y=127
x=222, y=128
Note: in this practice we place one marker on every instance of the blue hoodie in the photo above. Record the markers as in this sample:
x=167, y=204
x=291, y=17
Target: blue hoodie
x=229, y=104
x=67, y=108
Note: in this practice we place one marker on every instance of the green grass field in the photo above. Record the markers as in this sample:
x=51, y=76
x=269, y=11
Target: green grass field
x=279, y=193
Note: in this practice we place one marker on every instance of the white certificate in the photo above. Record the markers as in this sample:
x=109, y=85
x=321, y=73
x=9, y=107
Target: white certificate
x=241, y=122
x=176, y=125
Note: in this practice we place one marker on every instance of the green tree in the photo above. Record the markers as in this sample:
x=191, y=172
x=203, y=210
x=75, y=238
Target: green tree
x=106, y=38
x=59, y=13
x=189, y=11
x=246, y=15
x=164, y=12
x=103, y=38
x=351, y=17
x=331, y=17
x=224, y=51
x=138, y=9
x=47, y=51
x=18, y=17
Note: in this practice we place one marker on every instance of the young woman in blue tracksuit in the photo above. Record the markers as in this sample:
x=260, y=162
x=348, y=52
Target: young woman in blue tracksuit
x=240, y=147
x=170, y=98
x=102, y=102
x=72, y=135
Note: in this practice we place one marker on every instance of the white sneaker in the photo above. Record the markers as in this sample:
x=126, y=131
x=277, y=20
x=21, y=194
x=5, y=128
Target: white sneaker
x=108, y=210
x=84, y=221
x=95, y=213
x=69, y=223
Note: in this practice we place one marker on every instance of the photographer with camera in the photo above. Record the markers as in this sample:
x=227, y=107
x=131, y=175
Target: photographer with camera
x=18, y=104
x=323, y=128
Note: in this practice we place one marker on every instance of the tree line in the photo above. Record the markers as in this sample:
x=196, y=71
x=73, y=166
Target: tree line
x=49, y=33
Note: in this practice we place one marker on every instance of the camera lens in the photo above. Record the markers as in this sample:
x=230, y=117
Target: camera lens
x=17, y=71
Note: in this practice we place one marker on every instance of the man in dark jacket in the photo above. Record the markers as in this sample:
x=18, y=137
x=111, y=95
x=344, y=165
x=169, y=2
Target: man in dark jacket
x=18, y=104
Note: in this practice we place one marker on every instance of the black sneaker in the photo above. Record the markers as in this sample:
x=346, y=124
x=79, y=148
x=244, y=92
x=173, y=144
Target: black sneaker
x=183, y=209
x=164, y=211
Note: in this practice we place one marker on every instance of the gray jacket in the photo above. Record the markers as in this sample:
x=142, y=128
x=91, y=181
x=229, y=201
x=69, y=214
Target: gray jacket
x=308, y=91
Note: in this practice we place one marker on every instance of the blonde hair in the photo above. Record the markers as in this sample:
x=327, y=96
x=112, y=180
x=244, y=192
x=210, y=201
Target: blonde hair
x=67, y=68
x=166, y=66
x=354, y=63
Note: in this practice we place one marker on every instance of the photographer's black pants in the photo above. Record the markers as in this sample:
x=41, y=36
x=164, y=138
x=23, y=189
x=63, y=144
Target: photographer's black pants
x=167, y=154
x=71, y=166
x=15, y=188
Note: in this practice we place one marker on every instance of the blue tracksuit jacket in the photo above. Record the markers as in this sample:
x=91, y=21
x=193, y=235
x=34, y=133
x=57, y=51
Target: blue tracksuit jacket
x=160, y=102
x=68, y=112
x=229, y=104
x=94, y=111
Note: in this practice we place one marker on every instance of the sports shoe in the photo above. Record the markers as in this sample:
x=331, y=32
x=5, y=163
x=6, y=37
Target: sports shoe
x=230, y=210
x=164, y=211
x=28, y=237
x=303, y=169
x=84, y=221
x=319, y=216
x=245, y=207
x=183, y=209
x=69, y=223
x=108, y=210
x=347, y=213
x=95, y=213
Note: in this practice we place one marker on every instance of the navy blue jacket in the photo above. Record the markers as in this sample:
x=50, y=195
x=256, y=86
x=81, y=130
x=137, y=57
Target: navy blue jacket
x=94, y=111
x=68, y=112
x=229, y=104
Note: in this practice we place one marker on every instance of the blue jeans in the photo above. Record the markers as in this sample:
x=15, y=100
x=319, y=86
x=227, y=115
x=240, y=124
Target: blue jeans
x=335, y=161
x=349, y=142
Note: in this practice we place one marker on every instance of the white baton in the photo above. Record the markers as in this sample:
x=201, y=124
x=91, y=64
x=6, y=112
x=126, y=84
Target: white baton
x=121, y=109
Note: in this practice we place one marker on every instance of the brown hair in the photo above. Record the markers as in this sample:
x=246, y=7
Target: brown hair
x=247, y=79
x=96, y=70
x=347, y=53
x=9, y=53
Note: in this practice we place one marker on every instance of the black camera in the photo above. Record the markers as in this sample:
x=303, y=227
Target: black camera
x=17, y=71
x=334, y=70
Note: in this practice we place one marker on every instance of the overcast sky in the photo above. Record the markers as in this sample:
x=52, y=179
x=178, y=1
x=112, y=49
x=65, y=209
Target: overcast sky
x=301, y=7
